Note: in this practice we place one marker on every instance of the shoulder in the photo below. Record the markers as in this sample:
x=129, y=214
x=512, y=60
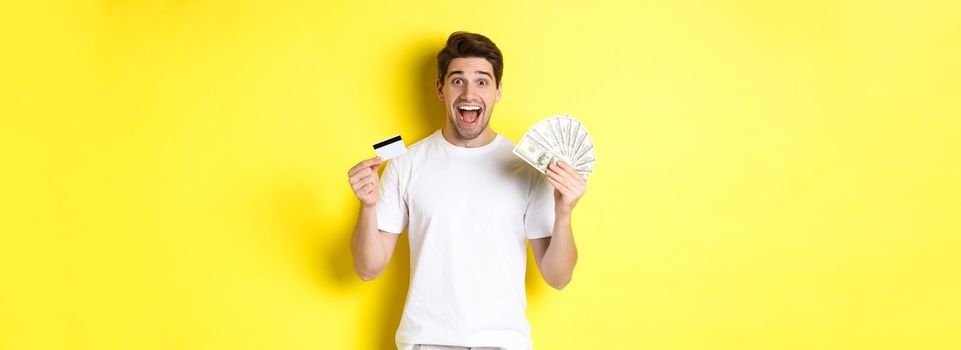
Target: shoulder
x=423, y=144
x=415, y=152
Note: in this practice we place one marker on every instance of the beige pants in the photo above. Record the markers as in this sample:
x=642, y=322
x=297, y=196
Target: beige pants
x=447, y=347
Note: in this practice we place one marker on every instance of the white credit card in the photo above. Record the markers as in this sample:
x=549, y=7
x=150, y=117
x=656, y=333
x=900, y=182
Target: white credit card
x=391, y=147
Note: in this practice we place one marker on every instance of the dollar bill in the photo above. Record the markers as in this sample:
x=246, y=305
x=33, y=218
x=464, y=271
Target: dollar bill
x=558, y=138
x=534, y=153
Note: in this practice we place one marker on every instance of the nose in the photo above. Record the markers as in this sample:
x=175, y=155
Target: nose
x=469, y=91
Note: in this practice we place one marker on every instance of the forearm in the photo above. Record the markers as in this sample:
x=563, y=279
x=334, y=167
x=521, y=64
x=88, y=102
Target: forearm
x=557, y=266
x=370, y=256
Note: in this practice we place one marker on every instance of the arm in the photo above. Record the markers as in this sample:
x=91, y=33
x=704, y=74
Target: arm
x=556, y=255
x=370, y=247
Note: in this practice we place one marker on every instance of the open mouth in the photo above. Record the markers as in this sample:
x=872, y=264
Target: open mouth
x=469, y=114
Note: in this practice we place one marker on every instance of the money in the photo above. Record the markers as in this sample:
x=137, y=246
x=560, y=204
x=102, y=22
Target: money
x=559, y=137
x=534, y=153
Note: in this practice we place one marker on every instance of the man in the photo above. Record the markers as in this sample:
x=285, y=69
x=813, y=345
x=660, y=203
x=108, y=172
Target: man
x=469, y=206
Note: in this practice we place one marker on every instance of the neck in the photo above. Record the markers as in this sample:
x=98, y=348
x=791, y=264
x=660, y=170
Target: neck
x=487, y=136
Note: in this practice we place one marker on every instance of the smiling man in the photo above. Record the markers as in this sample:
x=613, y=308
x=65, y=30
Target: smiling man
x=470, y=207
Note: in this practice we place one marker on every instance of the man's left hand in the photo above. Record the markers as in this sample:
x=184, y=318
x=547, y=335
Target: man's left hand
x=568, y=186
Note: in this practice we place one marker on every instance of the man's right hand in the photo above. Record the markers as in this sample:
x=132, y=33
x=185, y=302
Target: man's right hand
x=363, y=180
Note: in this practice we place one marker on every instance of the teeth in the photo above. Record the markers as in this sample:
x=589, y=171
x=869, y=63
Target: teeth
x=469, y=108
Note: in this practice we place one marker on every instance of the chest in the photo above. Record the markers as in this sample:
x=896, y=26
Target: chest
x=471, y=190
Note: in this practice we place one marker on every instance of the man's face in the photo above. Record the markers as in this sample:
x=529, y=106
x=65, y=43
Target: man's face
x=469, y=93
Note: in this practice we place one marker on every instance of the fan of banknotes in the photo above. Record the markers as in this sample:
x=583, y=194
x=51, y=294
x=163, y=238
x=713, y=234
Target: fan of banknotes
x=559, y=137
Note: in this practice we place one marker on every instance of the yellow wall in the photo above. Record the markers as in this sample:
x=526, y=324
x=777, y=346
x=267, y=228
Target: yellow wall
x=771, y=175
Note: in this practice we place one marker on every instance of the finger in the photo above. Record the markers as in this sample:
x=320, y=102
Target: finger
x=357, y=186
x=366, y=188
x=366, y=179
x=557, y=178
x=552, y=173
x=563, y=177
x=554, y=168
x=568, y=168
x=360, y=175
x=372, y=179
x=354, y=169
x=562, y=164
x=575, y=179
x=560, y=187
x=365, y=164
x=574, y=184
x=360, y=184
x=376, y=164
x=361, y=179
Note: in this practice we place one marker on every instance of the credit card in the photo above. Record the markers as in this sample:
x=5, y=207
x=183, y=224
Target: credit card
x=391, y=147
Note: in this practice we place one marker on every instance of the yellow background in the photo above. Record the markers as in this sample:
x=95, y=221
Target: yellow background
x=770, y=175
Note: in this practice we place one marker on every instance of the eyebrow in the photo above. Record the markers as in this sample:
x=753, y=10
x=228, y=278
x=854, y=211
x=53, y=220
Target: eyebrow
x=462, y=72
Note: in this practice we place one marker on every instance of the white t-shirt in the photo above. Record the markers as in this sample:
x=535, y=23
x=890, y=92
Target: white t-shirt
x=469, y=213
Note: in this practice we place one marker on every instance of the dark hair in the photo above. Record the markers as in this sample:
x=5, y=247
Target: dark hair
x=464, y=44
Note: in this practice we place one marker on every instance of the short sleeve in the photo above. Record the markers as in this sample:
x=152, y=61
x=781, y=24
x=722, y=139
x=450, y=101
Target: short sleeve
x=391, y=207
x=539, y=217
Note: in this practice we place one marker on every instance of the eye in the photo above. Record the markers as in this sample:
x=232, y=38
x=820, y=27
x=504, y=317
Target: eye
x=482, y=82
x=457, y=81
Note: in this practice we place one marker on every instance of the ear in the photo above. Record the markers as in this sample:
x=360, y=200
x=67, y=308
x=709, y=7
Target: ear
x=497, y=98
x=440, y=89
